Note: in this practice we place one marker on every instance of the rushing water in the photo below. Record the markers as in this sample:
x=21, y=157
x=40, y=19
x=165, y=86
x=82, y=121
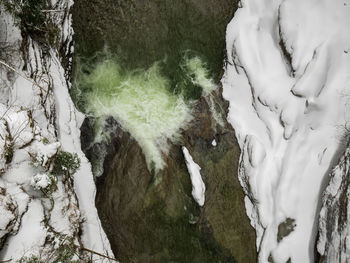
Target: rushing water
x=163, y=57
x=145, y=102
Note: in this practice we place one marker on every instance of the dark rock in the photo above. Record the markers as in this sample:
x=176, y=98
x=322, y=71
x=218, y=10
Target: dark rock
x=152, y=217
x=285, y=228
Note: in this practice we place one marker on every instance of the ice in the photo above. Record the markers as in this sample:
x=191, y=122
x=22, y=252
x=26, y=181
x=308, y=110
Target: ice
x=198, y=186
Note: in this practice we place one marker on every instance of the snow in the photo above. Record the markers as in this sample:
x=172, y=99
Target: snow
x=334, y=227
x=42, y=152
x=29, y=114
x=16, y=124
x=40, y=181
x=32, y=228
x=69, y=121
x=8, y=212
x=287, y=114
x=198, y=186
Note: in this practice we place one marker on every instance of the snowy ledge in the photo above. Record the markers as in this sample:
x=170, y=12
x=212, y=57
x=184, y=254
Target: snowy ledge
x=198, y=186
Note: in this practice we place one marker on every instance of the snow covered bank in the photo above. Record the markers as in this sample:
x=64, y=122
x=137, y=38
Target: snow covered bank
x=334, y=223
x=198, y=186
x=286, y=79
x=38, y=118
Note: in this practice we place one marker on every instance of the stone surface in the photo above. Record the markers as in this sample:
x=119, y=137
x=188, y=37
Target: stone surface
x=153, y=217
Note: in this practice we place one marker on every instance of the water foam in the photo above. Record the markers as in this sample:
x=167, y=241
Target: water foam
x=142, y=102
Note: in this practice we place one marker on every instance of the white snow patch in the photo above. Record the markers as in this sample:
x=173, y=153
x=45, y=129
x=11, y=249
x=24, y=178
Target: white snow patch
x=198, y=186
x=40, y=181
x=69, y=121
x=42, y=153
x=31, y=235
x=286, y=115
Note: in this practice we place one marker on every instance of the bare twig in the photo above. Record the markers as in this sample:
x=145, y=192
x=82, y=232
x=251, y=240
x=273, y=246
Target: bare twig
x=48, y=11
x=99, y=254
x=20, y=74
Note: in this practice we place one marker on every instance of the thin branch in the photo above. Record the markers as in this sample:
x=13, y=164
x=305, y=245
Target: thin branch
x=99, y=254
x=48, y=11
x=20, y=74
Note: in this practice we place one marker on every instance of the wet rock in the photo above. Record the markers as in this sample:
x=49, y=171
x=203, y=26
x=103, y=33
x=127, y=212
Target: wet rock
x=285, y=228
x=145, y=31
x=152, y=217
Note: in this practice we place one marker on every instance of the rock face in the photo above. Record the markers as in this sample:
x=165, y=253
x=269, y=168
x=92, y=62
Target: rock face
x=147, y=31
x=334, y=222
x=153, y=217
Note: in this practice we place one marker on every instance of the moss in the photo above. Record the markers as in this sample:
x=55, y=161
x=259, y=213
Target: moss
x=33, y=21
x=66, y=163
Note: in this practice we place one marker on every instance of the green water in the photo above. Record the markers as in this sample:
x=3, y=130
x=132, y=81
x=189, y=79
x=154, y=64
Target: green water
x=144, y=101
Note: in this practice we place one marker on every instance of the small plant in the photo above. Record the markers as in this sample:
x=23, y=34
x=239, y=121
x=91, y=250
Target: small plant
x=8, y=149
x=31, y=259
x=65, y=252
x=46, y=183
x=38, y=160
x=45, y=141
x=43, y=153
x=66, y=163
x=33, y=20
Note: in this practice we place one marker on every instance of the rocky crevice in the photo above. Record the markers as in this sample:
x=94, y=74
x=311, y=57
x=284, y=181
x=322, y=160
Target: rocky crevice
x=153, y=217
